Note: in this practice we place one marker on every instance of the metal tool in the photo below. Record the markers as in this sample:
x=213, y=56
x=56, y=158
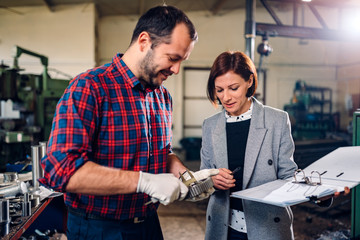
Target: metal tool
x=36, y=152
x=4, y=217
x=10, y=177
x=26, y=206
x=196, y=188
x=13, y=189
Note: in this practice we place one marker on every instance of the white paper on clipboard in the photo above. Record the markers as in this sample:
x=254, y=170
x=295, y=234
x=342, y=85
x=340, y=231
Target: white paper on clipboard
x=338, y=169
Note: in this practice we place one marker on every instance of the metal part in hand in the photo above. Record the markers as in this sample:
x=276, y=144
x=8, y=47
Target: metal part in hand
x=195, y=187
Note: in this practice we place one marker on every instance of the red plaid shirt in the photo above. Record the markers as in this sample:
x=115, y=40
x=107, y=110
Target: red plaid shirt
x=106, y=116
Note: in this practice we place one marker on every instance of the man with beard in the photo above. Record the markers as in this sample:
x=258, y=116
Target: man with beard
x=110, y=146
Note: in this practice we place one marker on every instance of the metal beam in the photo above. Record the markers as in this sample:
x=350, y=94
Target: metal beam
x=217, y=6
x=326, y=3
x=273, y=30
x=250, y=32
x=141, y=7
x=317, y=15
x=271, y=11
x=295, y=15
x=49, y=5
x=11, y=10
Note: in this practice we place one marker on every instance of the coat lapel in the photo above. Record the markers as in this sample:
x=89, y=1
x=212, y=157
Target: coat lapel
x=219, y=140
x=256, y=136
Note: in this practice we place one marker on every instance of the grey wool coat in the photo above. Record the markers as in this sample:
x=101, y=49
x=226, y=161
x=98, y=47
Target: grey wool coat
x=268, y=156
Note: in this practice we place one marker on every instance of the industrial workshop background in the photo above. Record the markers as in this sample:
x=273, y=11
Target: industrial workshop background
x=306, y=52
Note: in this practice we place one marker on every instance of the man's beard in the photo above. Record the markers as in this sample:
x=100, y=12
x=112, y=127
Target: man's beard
x=148, y=70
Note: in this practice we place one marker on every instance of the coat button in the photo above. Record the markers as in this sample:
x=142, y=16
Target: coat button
x=209, y=218
x=270, y=162
x=277, y=219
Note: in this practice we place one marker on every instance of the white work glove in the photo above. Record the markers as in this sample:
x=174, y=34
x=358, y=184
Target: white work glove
x=202, y=175
x=164, y=187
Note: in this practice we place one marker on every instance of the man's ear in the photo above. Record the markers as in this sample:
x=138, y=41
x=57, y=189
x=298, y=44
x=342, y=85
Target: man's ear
x=144, y=41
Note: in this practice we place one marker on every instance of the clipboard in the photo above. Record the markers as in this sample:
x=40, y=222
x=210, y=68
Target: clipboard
x=336, y=170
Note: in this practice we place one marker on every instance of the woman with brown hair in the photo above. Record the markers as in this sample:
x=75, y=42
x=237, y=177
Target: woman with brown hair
x=251, y=144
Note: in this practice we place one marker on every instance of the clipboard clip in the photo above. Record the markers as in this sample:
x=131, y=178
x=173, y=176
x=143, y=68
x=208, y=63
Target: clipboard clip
x=314, y=199
x=306, y=180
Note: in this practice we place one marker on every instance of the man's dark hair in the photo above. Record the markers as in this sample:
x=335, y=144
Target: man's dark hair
x=160, y=22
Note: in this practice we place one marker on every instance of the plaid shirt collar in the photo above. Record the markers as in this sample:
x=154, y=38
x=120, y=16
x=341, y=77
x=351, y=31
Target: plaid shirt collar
x=129, y=76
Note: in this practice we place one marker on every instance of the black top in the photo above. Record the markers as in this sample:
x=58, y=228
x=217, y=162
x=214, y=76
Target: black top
x=236, y=136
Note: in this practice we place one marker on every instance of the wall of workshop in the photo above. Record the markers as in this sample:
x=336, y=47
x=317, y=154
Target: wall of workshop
x=348, y=84
x=69, y=38
x=313, y=61
x=66, y=36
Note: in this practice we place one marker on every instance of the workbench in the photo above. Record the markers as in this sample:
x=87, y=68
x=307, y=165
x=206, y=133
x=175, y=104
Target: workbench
x=49, y=214
x=17, y=230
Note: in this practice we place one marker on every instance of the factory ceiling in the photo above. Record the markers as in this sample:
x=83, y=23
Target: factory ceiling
x=130, y=7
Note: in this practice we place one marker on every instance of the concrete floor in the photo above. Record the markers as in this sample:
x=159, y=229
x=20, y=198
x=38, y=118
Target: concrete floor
x=183, y=220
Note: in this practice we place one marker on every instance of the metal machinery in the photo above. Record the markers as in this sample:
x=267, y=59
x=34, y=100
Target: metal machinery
x=315, y=128
x=355, y=204
x=25, y=208
x=310, y=111
x=27, y=107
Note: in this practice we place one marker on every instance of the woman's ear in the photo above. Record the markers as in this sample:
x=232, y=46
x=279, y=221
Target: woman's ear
x=218, y=101
x=251, y=80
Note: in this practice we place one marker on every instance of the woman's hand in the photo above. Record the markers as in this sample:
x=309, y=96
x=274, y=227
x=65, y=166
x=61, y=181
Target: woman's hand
x=328, y=200
x=224, y=180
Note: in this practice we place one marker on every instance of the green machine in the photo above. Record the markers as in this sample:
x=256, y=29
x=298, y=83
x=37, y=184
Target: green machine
x=27, y=106
x=355, y=197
